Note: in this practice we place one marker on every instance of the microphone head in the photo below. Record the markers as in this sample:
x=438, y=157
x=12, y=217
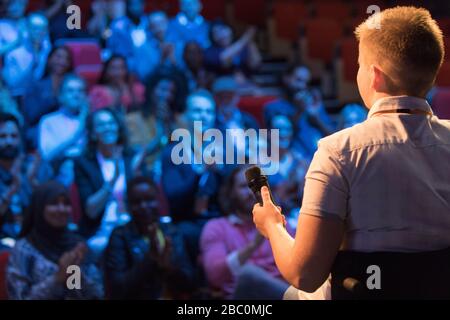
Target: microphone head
x=252, y=173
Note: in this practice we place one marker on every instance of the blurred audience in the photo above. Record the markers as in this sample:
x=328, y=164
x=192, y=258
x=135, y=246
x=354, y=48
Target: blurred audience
x=26, y=62
x=189, y=25
x=19, y=173
x=56, y=13
x=100, y=175
x=304, y=105
x=191, y=188
x=150, y=127
x=38, y=264
x=352, y=114
x=226, y=56
x=159, y=49
x=41, y=97
x=237, y=259
x=287, y=184
x=117, y=88
x=194, y=67
x=61, y=133
x=129, y=33
x=13, y=25
x=147, y=259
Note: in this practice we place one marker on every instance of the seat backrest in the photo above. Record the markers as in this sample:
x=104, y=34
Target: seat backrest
x=423, y=275
x=333, y=10
x=4, y=255
x=443, y=77
x=322, y=36
x=250, y=11
x=349, y=57
x=287, y=17
x=84, y=51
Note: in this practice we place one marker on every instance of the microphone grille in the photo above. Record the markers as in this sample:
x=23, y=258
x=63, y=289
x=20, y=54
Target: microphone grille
x=252, y=173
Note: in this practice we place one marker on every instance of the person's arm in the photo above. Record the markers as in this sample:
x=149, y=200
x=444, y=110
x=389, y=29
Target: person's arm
x=56, y=7
x=305, y=262
x=226, y=57
x=124, y=279
x=254, y=58
x=96, y=203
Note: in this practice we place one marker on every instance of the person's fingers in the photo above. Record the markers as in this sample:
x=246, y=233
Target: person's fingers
x=265, y=194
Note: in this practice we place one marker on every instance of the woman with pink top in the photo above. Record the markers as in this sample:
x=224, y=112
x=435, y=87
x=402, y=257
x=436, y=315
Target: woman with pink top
x=237, y=260
x=117, y=88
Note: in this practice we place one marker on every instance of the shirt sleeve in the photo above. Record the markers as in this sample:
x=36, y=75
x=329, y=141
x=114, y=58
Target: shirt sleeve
x=326, y=189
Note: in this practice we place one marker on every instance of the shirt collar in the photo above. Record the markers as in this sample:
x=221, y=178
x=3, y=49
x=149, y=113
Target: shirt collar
x=399, y=102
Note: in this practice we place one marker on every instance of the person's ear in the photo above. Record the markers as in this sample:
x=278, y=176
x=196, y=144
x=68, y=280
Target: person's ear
x=377, y=79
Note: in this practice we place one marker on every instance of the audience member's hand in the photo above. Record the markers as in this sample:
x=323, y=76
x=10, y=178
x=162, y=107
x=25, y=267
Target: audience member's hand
x=69, y=258
x=249, y=35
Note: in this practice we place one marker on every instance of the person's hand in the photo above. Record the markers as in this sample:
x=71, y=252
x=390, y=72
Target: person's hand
x=117, y=155
x=249, y=35
x=268, y=215
x=72, y=257
x=160, y=246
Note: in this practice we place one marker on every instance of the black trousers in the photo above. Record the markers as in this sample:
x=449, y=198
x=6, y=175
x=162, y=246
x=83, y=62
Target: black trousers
x=424, y=275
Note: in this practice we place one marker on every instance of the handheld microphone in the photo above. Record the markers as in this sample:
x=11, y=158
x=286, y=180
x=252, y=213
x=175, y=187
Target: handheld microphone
x=256, y=181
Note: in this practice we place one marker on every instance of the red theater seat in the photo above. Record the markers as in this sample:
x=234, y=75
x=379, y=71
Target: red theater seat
x=255, y=106
x=333, y=10
x=84, y=51
x=321, y=36
x=86, y=58
x=288, y=15
x=250, y=11
x=3, y=263
x=349, y=57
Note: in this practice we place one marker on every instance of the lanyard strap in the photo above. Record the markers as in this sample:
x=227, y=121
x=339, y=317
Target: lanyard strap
x=407, y=111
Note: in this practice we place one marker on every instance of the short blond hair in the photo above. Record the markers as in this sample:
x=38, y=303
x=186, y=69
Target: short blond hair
x=407, y=44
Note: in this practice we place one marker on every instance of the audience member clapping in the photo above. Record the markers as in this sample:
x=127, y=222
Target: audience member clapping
x=38, y=265
x=147, y=259
x=41, y=97
x=117, y=88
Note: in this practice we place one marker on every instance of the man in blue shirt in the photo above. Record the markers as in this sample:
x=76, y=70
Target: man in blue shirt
x=189, y=24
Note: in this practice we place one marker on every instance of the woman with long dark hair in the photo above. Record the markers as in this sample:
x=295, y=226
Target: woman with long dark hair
x=151, y=125
x=38, y=265
x=42, y=95
x=101, y=175
x=117, y=88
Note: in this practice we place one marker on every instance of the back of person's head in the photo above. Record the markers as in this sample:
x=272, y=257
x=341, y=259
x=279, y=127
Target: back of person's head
x=407, y=45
